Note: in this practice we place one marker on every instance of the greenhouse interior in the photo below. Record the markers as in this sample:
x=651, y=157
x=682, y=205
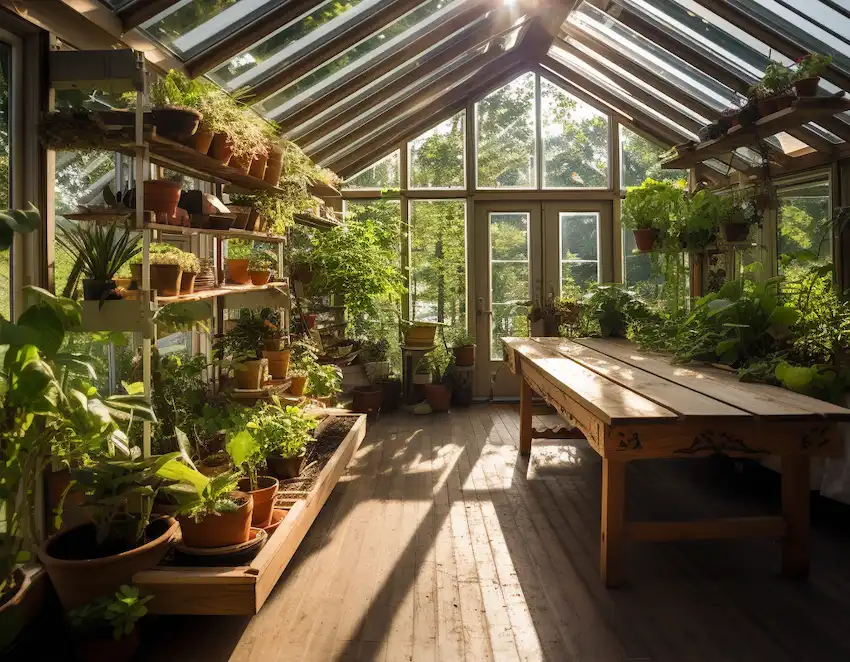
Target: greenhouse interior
x=335, y=330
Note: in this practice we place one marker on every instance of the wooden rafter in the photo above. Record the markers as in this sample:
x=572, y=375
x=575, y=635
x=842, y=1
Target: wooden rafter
x=134, y=13
x=546, y=25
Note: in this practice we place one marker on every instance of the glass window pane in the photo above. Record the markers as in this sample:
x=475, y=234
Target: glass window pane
x=509, y=276
x=575, y=141
x=5, y=178
x=381, y=175
x=504, y=131
x=804, y=220
x=436, y=157
x=438, y=262
x=639, y=159
x=579, y=251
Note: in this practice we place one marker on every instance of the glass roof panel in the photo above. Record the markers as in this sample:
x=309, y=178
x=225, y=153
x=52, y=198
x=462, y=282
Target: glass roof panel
x=292, y=41
x=368, y=52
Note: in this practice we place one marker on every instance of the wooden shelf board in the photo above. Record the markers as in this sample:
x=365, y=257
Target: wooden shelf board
x=324, y=190
x=314, y=221
x=224, y=234
x=226, y=290
x=804, y=110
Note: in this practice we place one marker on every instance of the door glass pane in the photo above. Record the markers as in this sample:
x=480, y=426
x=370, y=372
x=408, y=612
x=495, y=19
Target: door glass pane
x=509, y=276
x=575, y=141
x=5, y=178
x=504, y=123
x=436, y=157
x=380, y=175
x=579, y=251
x=804, y=221
x=438, y=262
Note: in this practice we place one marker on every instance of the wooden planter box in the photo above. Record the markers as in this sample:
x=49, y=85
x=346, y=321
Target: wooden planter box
x=242, y=591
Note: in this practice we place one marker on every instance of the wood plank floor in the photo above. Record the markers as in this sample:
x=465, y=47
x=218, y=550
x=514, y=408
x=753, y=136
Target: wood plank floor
x=441, y=544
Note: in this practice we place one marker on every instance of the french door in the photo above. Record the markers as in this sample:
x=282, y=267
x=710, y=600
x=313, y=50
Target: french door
x=528, y=254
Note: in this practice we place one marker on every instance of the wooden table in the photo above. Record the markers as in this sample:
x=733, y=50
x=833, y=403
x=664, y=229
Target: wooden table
x=631, y=405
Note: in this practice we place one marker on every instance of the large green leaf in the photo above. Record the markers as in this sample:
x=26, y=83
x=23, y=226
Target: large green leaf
x=784, y=316
x=241, y=447
x=177, y=470
x=44, y=328
x=795, y=378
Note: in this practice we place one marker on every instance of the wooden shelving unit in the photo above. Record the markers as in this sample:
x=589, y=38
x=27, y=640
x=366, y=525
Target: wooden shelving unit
x=232, y=291
x=803, y=110
x=313, y=221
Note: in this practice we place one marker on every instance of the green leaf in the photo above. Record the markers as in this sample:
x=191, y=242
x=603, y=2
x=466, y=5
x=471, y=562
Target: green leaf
x=44, y=328
x=784, y=316
x=176, y=470
x=241, y=447
x=795, y=378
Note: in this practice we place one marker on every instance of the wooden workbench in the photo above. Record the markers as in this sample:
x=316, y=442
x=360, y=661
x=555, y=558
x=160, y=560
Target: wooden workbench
x=631, y=405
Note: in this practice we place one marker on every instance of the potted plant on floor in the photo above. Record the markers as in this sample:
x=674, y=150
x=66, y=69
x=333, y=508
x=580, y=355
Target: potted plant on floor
x=807, y=72
x=261, y=264
x=249, y=455
x=463, y=347
x=651, y=209
x=238, y=259
x=106, y=629
x=437, y=393
x=100, y=252
x=283, y=433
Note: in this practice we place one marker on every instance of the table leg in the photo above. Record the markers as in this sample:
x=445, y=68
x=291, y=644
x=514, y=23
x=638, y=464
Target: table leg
x=795, y=510
x=613, y=527
x=525, y=428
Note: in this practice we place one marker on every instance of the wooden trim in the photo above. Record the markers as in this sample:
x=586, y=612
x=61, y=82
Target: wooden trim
x=137, y=12
x=707, y=529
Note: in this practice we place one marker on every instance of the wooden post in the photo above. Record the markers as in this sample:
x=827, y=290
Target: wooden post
x=795, y=510
x=525, y=396
x=613, y=527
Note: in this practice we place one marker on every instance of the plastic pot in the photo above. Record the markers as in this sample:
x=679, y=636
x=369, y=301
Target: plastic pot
x=274, y=166
x=166, y=279
x=99, y=290
x=260, y=277
x=78, y=578
x=162, y=196
x=285, y=467
x=264, y=495
x=221, y=149
x=645, y=238
x=735, y=232
x=807, y=87
x=464, y=356
x=237, y=272
x=222, y=529
x=278, y=362
x=258, y=166
x=367, y=399
x=299, y=383
x=187, y=283
x=250, y=374
x=439, y=397
x=201, y=140
x=176, y=123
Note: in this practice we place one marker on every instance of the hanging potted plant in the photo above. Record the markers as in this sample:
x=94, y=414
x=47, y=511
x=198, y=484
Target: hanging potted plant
x=807, y=73
x=248, y=454
x=261, y=264
x=106, y=629
x=238, y=259
x=705, y=210
x=100, y=252
x=653, y=208
x=741, y=216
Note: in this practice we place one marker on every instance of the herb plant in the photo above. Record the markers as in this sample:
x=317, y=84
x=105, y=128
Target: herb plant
x=118, y=613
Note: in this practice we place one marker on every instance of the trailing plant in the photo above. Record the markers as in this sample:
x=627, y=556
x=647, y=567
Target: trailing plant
x=100, y=250
x=705, y=211
x=655, y=205
x=117, y=614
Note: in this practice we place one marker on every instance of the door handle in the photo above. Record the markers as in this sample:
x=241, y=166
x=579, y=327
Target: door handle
x=479, y=308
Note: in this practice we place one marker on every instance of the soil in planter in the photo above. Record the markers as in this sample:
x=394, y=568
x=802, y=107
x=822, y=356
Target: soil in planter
x=80, y=544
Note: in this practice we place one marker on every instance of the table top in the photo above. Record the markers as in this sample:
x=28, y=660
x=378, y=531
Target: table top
x=620, y=383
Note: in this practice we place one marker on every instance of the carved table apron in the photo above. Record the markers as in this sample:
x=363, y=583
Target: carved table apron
x=633, y=405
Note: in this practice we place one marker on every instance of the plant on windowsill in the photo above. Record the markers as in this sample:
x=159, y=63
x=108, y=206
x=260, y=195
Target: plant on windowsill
x=807, y=72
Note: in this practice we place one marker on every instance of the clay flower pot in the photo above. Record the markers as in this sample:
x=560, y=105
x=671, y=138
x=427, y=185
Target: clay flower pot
x=299, y=383
x=242, y=164
x=274, y=166
x=645, y=238
x=162, y=196
x=439, y=397
x=807, y=87
x=222, y=529
x=237, y=272
x=258, y=166
x=735, y=232
x=220, y=149
x=250, y=375
x=285, y=467
x=187, y=283
x=261, y=277
x=201, y=140
x=367, y=399
x=464, y=356
x=176, y=123
x=21, y=606
x=420, y=335
x=278, y=515
x=99, y=290
x=264, y=495
x=78, y=578
x=278, y=362
x=166, y=279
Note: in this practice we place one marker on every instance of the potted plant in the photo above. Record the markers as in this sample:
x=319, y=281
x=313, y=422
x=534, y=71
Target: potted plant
x=705, y=210
x=105, y=629
x=100, y=251
x=653, y=208
x=238, y=259
x=304, y=355
x=260, y=265
x=243, y=346
x=741, y=216
x=248, y=454
x=807, y=73
x=390, y=392
x=167, y=263
x=420, y=334
x=437, y=392
x=463, y=347
x=162, y=197
x=772, y=92
x=324, y=381
x=191, y=267
x=283, y=433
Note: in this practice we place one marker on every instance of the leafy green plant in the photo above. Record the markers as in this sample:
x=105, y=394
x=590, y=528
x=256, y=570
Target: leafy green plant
x=777, y=79
x=281, y=431
x=811, y=65
x=323, y=380
x=245, y=340
x=239, y=249
x=20, y=221
x=248, y=454
x=374, y=351
x=614, y=308
x=101, y=250
x=168, y=254
x=262, y=259
x=118, y=613
x=705, y=211
x=460, y=337
x=655, y=205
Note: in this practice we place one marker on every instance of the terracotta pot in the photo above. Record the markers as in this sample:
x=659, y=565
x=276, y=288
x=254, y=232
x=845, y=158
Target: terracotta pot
x=310, y=319
x=299, y=383
x=807, y=87
x=201, y=140
x=439, y=397
x=57, y=483
x=367, y=399
x=263, y=498
x=420, y=335
x=285, y=467
x=104, y=648
x=735, y=232
x=274, y=166
x=277, y=517
x=237, y=272
x=278, y=362
x=162, y=196
x=79, y=580
x=242, y=164
x=187, y=283
x=258, y=166
x=250, y=375
x=260, y=277
x=645, y=238
x=166, y=279
x=176, y=123
x=220, y=149
x=464, y=356
x=220, y=530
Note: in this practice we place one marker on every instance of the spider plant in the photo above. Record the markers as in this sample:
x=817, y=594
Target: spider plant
x=100, y=250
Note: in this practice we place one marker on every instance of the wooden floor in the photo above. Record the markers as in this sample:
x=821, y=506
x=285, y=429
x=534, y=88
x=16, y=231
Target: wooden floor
x=442, y=544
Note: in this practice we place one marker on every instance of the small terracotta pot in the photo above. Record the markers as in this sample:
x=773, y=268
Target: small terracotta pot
x=187, y=283
x=263, y=498
x=274, y=166
x=162, y=196
x=105, y=648
x=278, y=514
x=237, y=272
x=78, y=581
x=807, y=87
x=299, y=383
x=166, y=279
x=250, y=375
x=310, y=319
x=278, y=362
x=735, y=232
x=645, y=238
x=242, y=164
x=285, y=467
x=260, y=277
x=367, y=399
x=439, y=397
x=176, y=123
x=220, y=530
x=258, y=166
x=201, y=140
x=464, y=356
x=220, y=149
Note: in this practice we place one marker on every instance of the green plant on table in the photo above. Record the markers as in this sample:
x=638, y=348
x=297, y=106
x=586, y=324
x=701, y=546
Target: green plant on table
x=324, y=380
x=281, y=431
x=161, y=253
x=811, y=65
x=239, y=249
x=118, y=613
x=656, y=205
x=100, y=251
